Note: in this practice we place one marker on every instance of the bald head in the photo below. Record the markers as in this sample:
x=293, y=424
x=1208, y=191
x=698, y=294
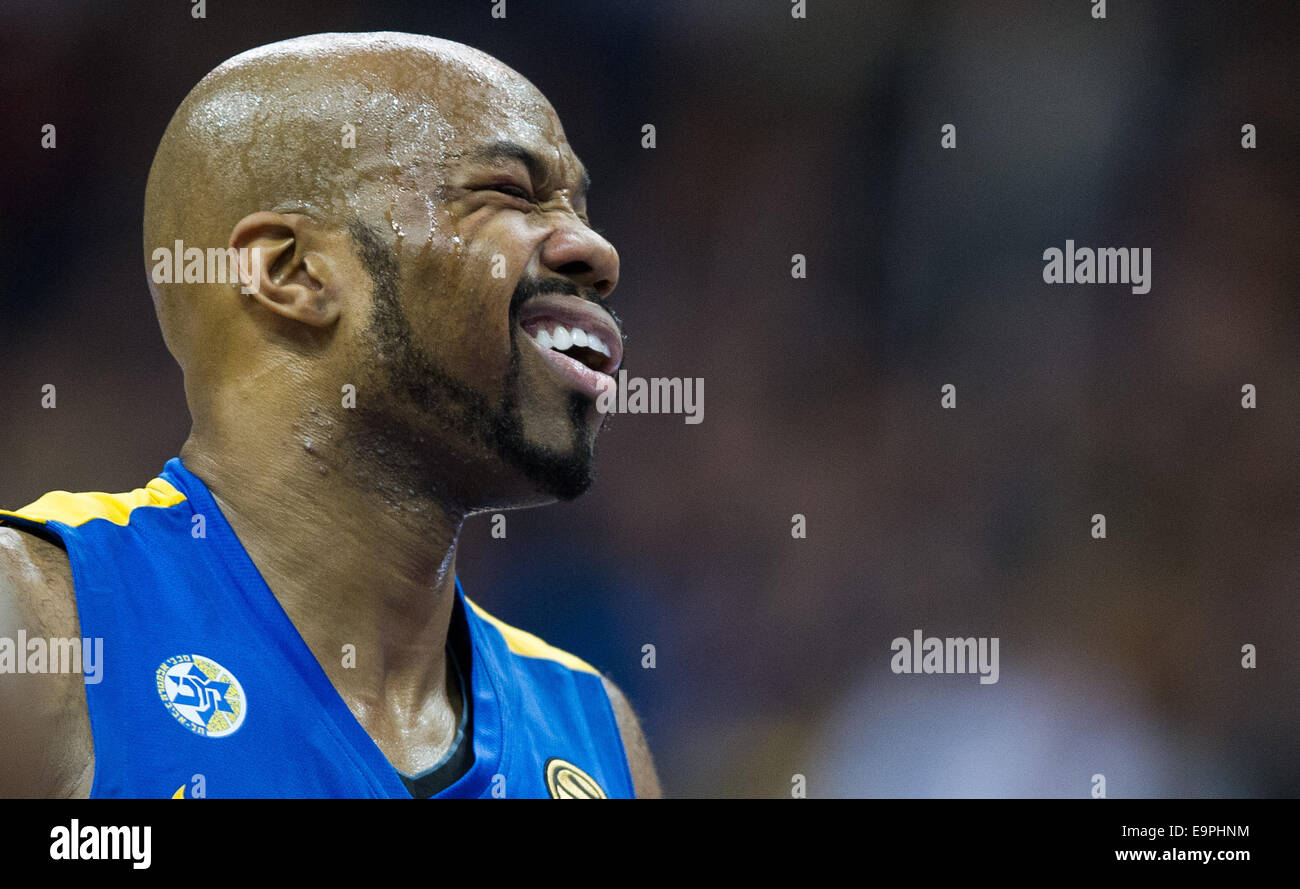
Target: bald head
x=335, y=126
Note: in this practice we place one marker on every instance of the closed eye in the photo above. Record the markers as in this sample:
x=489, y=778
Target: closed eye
x=514, y=191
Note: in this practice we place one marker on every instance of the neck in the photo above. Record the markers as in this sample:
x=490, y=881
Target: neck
x=355, y=558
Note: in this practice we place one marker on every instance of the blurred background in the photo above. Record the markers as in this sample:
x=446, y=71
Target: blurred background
x=819, y=136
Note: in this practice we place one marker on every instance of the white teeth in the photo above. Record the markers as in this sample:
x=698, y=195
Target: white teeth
x=562, y=338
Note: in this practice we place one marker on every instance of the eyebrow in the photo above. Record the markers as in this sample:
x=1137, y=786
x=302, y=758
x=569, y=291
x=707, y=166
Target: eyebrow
x=504, y=149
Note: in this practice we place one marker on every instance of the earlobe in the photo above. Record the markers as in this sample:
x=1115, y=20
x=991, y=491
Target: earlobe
x=279, y=270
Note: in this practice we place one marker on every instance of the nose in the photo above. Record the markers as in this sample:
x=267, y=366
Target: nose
x=580, y=254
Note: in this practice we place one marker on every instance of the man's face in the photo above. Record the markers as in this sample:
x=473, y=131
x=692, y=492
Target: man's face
x=493, y=270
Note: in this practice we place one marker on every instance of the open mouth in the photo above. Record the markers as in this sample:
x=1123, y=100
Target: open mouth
x=576, y=337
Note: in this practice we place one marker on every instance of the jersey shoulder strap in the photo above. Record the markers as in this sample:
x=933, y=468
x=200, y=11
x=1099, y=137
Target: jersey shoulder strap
x=561, y=735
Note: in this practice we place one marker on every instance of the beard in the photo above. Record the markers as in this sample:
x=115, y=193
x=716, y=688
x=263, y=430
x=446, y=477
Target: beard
x=422, y=382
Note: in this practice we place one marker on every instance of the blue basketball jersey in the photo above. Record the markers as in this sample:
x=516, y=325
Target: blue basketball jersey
x=207, y=685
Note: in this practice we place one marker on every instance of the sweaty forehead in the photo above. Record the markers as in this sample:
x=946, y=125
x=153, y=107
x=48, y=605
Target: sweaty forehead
x=485, y=110
x=484, y=104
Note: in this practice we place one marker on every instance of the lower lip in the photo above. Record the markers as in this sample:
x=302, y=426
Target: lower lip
x=587, y=381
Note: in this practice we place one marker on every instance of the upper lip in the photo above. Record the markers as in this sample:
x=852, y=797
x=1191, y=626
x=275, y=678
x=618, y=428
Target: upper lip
x=574, y=311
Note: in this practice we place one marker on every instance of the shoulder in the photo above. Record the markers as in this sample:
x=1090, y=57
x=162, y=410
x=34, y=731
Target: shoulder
x=44, y=727
x=36, y=589
x=644, y=778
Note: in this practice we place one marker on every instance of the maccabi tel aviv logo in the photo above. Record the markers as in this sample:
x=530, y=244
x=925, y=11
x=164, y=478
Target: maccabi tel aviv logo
x=204, y=696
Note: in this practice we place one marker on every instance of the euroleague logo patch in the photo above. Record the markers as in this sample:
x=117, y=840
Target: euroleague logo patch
x=564, y=780
x=204, y=696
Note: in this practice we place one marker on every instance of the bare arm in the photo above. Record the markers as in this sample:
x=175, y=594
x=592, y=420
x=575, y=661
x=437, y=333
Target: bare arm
x=644, y=779
x=45, y=748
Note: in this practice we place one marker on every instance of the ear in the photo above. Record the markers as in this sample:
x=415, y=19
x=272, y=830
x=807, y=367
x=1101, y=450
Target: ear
x=280, y=269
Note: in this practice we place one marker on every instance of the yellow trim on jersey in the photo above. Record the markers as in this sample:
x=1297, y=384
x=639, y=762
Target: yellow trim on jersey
x=77, y=509
x=526, y=644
